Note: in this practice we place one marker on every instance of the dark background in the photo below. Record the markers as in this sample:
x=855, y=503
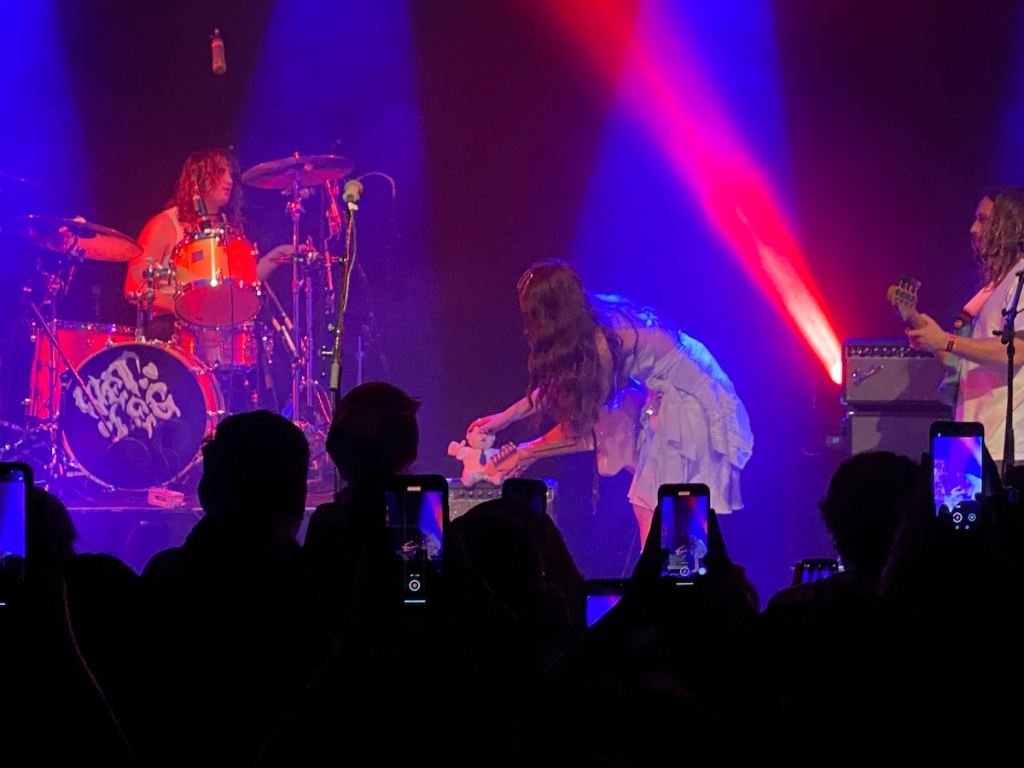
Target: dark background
x=896, y=116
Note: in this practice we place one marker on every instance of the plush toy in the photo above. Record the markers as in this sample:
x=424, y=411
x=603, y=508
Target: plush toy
x=474, y=452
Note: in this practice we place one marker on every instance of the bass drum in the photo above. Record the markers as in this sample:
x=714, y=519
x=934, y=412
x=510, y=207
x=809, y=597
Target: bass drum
x=148, y=408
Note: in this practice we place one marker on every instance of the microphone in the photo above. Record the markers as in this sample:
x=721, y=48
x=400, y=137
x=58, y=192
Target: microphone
x=197, y=201
x=220, y=64
x=351, y=193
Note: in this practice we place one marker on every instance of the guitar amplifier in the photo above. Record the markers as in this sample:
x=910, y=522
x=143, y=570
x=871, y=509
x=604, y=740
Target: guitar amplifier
x=905, y=434
x=881, y=374
x=462, y=499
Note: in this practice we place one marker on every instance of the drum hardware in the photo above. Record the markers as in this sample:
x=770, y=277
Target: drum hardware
x=75, y=240
x=293, y=176
x=281, y=322
x=217, y=282
x=145, y=300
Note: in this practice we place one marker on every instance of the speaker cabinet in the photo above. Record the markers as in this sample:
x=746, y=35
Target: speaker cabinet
x=906, y=434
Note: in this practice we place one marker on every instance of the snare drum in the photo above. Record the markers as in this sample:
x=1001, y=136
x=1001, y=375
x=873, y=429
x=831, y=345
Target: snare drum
x=149, y=407
x=216, y=273
x=220, y=348
x=78, y=341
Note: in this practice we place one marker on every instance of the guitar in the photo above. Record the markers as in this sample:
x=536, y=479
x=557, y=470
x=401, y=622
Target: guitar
x=614, y=440
x=903, y=297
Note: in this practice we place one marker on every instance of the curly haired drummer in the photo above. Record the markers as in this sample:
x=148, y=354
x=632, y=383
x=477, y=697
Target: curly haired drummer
x=211, y=173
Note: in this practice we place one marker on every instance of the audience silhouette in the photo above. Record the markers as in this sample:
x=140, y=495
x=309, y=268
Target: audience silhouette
x=242, y=648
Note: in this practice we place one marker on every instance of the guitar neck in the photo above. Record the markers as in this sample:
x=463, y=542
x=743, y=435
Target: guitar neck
x=914, y=318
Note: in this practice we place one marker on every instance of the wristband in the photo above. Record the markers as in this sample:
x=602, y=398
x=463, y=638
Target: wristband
x=951, y=344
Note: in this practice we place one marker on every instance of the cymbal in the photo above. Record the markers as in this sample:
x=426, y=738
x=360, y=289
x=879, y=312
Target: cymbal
x=301, y=170
x=5, y=177
x=67, y=235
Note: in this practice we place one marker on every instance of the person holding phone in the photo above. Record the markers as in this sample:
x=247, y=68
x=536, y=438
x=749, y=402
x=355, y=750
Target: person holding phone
x=588, y=352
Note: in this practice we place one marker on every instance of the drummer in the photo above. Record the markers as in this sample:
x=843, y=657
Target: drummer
x=211, y=172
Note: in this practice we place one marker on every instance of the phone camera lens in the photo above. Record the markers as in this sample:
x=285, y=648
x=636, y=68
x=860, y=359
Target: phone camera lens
x=957, y=517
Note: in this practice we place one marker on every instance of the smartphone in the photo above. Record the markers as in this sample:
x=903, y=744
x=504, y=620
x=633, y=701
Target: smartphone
x=531, y=493
x=957, y=476
x=15, y=481
x=602, y=595
x=684, y=529
x=813, y=569
x=417, y=515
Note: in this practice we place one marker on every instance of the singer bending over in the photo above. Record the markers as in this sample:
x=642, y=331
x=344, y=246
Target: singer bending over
x=590, y=355
x=206, y=178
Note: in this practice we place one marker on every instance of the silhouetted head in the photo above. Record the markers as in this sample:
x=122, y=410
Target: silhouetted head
x=50, y=525
x=863, y=504
x=255, y=468
x=523, y=559
x=374, y=434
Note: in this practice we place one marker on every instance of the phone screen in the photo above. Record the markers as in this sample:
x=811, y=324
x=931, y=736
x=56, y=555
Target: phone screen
x=530, y=493
x=813, y=570
x=13, y=501
x=599, y=605
x=602, y=596
x=415, y=517
x=957, y=477
x=684, y=530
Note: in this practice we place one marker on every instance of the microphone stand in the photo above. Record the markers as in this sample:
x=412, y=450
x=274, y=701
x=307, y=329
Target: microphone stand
x=1008, y=335
x=339, y=324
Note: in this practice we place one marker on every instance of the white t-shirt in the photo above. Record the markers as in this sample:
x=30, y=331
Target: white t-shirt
x=983, y=385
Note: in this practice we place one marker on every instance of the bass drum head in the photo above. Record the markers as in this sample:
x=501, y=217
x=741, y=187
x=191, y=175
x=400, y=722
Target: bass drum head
x=155, y=405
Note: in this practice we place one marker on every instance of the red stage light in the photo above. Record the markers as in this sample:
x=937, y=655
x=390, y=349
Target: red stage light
x=675, y=101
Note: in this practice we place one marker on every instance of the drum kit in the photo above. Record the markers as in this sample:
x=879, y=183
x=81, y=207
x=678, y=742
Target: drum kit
x=130, y=413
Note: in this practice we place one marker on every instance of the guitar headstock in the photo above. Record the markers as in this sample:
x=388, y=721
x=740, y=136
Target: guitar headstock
x=503, y=462
x=903, y=295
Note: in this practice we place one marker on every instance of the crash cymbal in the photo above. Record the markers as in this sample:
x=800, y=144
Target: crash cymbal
x=69, y=236
x=300, y=170
x=6, y=177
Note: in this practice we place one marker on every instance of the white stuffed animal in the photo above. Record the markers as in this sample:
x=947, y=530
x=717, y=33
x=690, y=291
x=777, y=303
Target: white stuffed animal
x=474, y=452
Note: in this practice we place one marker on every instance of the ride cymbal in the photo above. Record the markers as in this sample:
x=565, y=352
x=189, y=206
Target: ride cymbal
x=299, y=170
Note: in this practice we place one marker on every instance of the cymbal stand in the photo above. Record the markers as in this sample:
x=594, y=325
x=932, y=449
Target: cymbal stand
x=295, y=210
x=56, y=284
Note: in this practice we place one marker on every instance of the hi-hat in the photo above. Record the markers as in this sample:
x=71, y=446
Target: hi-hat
x=76, y=237
x=298, y=170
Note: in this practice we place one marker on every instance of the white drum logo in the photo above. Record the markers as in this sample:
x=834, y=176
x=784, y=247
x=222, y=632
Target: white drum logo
x=125, y=401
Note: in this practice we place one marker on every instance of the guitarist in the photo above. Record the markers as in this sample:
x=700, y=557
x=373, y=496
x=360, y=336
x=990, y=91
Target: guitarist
x=978, y=354
x=586, y=351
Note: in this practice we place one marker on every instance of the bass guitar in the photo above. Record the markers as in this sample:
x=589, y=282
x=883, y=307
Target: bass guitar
x=903, y=297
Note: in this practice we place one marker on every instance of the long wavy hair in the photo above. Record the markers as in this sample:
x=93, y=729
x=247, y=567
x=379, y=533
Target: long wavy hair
x=204, y=168
x=1000, y=246
x=561, y=329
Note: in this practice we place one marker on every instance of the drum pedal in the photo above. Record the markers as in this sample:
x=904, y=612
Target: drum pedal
x=162, y=497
